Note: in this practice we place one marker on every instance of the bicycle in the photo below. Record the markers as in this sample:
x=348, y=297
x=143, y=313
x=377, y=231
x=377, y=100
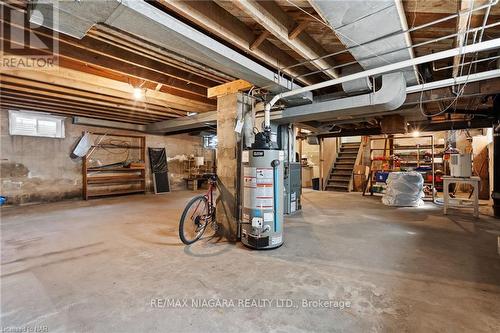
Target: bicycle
x=198, y=214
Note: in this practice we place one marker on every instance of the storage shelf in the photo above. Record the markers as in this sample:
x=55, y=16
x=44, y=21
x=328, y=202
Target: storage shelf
x=414, y=157
x=101, y=194
x=104, y=181
x=116, y=146
x=113, y=179
x=114, y=169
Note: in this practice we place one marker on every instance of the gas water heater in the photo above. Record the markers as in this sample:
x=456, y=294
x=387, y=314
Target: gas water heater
x=262, y=208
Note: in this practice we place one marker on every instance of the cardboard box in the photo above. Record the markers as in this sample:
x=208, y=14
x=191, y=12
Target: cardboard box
x=359, y=183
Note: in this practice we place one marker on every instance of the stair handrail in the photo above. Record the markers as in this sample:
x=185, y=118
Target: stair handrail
x=332, y=163
x=359, y=157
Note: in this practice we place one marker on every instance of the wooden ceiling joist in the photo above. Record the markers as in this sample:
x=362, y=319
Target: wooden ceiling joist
x=94, y=84
x=125, y=62
x=65, y=112
x=262, y=37
x=270, y=16
x=462, y=23
x=122, y=39
x=298, y=30
x=210, y=16
x=110, y=63
x=49, y=107
x=119, y=110
x=102, y=72
x=73, y=95
x=139, y=113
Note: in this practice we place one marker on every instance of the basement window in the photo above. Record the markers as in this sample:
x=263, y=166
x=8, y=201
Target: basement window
x=35, y=124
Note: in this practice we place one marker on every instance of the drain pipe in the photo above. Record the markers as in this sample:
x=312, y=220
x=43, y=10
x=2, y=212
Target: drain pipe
x=478, y=47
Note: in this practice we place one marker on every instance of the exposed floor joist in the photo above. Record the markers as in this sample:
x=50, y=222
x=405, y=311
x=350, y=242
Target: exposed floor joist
x=276, y=21
x=218, y=21
x=463, y=20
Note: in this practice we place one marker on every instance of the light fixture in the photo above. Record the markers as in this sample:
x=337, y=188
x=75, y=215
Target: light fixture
x=138, y=93
x=416, y=134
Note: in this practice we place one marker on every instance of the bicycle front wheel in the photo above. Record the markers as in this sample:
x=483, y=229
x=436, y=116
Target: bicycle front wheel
x=194, y=220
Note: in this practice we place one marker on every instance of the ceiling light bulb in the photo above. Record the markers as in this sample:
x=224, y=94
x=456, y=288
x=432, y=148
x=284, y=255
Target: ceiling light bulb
x=416, y=134
x=138, y=93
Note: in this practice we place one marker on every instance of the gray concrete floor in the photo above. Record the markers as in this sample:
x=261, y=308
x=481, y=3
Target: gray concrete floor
x=100, y=266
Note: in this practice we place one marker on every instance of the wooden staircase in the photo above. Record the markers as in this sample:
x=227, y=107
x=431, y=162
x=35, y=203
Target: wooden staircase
x=341, y=172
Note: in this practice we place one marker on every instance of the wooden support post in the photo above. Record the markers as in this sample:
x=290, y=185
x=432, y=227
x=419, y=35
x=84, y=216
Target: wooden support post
x=228, y=111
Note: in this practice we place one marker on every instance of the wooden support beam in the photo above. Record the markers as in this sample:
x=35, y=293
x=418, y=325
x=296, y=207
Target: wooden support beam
x=270, y=16
x=228, y=88
x=93, y=83
x=74, y=95
x=132, y=43
x=6, y=105
x=297, y=30
x=462, y=22
x=69, y=104
x=50, y=100
x=111, y=58
x=215, y=19
x=262, y=37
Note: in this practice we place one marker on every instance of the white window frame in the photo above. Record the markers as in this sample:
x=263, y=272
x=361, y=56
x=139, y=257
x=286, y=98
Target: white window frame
x=37, y=116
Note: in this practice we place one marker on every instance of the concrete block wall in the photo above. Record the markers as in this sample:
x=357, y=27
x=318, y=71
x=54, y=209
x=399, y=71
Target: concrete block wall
x=35, y=169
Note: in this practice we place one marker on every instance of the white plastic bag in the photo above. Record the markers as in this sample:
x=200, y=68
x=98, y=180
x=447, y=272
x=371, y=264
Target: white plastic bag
x=83, y=145
x=404, y=189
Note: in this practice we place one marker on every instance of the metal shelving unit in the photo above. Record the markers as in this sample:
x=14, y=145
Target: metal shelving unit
x=400, y=151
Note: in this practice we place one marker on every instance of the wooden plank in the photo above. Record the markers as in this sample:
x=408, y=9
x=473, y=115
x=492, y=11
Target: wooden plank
x=462, y=23
x=262, y=37
x=93, y=50
x=66, y=112
x=215, y=19
x=109, y=63
x=66, y=63
x=270, y=16
x=297, y=30
x=64, y=93
x=31, y=94
x=122, y=39
x=228, y=88
x=89, y=109
x=105, y=193
x=63, y=78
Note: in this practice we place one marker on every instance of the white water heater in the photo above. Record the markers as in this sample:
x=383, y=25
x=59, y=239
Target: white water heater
x=461, y=165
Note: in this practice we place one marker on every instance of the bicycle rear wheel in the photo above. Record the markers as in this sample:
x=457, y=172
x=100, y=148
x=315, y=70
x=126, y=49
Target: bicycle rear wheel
x=194, y=220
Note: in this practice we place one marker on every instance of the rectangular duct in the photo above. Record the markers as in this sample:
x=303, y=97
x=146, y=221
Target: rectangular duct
x=357, y=24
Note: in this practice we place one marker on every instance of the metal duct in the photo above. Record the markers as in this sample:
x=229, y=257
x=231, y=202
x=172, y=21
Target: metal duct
x=147, y=22
x=389, y=97
x=356, y=23
x=183, y=123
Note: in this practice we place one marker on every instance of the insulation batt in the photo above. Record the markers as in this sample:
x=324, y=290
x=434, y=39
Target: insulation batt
x=404, y=189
